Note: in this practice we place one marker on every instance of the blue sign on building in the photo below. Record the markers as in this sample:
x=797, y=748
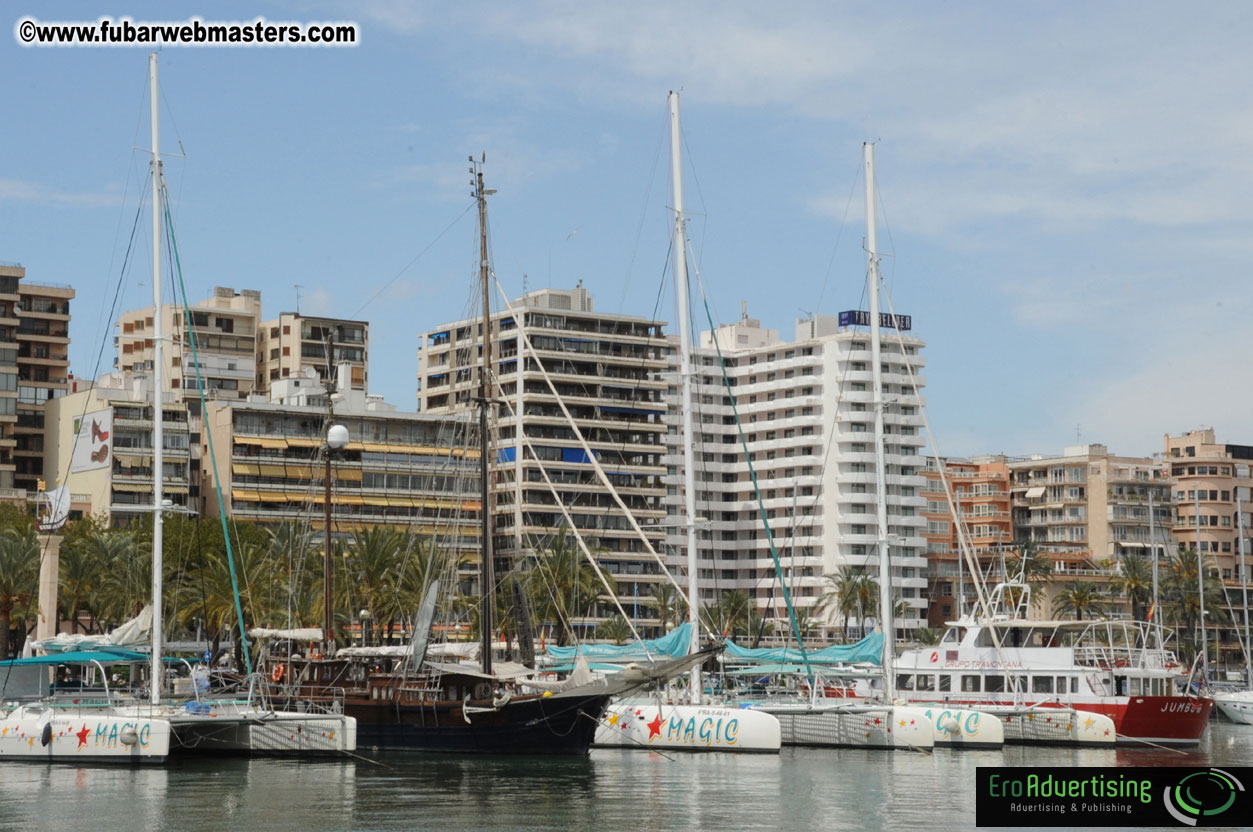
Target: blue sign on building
x=860, y=317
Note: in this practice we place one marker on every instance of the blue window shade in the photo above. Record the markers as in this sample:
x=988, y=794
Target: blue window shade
x=506, y=455
x=574, y=455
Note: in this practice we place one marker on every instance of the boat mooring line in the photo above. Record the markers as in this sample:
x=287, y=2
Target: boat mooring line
x=1154, y=744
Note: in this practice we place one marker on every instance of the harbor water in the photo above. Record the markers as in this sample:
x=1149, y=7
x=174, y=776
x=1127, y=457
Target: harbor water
x=800, y=789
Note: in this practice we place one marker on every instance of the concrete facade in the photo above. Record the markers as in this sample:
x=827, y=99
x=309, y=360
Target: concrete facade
x=806, y=407
x=292, y=343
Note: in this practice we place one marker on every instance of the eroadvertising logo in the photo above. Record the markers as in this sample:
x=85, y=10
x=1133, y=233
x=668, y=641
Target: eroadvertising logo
x=1111, y=796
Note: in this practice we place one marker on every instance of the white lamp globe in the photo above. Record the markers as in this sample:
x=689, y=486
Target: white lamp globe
x=337, y=437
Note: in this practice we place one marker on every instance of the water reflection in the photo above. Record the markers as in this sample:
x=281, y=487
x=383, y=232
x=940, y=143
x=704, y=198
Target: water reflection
x=615, y=789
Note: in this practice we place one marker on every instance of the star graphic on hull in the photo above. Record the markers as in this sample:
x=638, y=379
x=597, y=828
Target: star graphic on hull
x=1087, y=723
x=82, y=736
x=878, y=721
x=613, y=719
x=654, y=727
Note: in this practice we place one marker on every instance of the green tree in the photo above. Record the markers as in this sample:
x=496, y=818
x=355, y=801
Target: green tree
x=1181, y=598
x=563, y=585
x=1135, y=583
x=928, y=635
x=668, y=605
x=850, y=592
x=1080, y=598
x=615, y=629
x=19, y=576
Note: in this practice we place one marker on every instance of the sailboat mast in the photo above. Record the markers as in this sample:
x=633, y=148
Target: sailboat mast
x=486, y=574
x=1244, y=591
x=881, y=503
x=158, y=448
x=1200, y=587
x=685, y=380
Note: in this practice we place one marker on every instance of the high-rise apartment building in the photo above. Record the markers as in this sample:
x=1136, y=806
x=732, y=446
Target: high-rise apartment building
x=607, y=370
x=10, y=277
x=225, y=326
x=34, y=362
x=43, y=365
x=292, y=342
x=807, y=412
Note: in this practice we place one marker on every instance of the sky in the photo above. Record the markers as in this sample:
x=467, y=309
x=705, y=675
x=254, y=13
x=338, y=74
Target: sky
x=1065, y=189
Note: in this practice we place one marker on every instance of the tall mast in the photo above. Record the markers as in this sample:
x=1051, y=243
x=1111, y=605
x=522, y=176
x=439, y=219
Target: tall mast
x=487, y=577
x=1200, y=585
x=961, y=579
x=1244, y=590
x=685, y=379
x=158, y=449
x=328, y=576
x=881, y=503
x=1153, y=554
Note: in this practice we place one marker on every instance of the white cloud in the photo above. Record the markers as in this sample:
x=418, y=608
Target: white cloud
x=16, y=190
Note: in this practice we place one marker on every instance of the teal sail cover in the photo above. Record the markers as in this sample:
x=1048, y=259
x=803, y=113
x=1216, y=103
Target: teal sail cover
x=675, y=643
x=869, y=649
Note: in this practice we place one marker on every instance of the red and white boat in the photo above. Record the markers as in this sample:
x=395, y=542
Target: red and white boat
x=1118, y=668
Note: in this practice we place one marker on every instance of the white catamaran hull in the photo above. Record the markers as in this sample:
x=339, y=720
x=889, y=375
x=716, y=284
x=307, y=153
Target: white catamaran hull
x=688, y=728
x=964, y=728
x=41, y=733
x=856, y=726
x=242, y=730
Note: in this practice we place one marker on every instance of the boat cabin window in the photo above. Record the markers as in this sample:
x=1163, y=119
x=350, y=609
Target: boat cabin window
x=1041, y=684
x=994, y=683
x=904, y=681
x=924, y=681
x=945, y=682
x=970, y=683
x=1135, y=686
x=1020, y=684
x=951, y=636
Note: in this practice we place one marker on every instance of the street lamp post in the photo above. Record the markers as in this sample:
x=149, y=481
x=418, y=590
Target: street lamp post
x=336, y=440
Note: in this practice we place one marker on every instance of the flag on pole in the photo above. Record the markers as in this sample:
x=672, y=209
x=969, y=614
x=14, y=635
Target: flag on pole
x=1152, y=609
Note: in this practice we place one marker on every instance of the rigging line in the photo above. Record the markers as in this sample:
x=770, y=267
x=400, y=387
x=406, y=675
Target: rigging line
x=99, y=355
x=217, y=483
x=963, y=541
x=415, y=259
x=639, y=227
x=752, y=473
x=704, y=212
x=839, y=235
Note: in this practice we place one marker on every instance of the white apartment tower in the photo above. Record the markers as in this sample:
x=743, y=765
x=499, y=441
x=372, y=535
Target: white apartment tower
x=806, y=411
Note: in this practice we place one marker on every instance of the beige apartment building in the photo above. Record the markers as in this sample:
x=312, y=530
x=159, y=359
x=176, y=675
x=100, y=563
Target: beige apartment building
x=10, y=277
x=117, y=483
x=1087, y=509
x=292, y=342
x=406, y=470
x=1211, y=482
x=225, y=326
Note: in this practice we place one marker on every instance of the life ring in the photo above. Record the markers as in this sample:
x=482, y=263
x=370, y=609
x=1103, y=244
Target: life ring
x=277, y=675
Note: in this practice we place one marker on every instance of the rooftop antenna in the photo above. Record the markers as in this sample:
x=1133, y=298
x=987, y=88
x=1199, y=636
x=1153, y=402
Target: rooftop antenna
x=298, y=288
x=1078, y=433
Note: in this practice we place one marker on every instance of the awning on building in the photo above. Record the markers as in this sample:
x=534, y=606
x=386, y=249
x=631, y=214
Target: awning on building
x=244, y=469
x=300, y=442
x=272, y=442
x=345, y=474
x=1035, y=493
x=245, y=496
x=131, y=488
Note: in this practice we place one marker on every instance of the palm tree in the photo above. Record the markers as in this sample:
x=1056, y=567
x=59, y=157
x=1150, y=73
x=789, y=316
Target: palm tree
x=928, y=635
x=564, y=585
x=125, y=576
x=1135, y=583
x=849, y=592
x=668, y=605
x=77, y=584
x=615, y=629
x=1182, y=600
x=19, y=574
x=370, y=560
x=1080, y=598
